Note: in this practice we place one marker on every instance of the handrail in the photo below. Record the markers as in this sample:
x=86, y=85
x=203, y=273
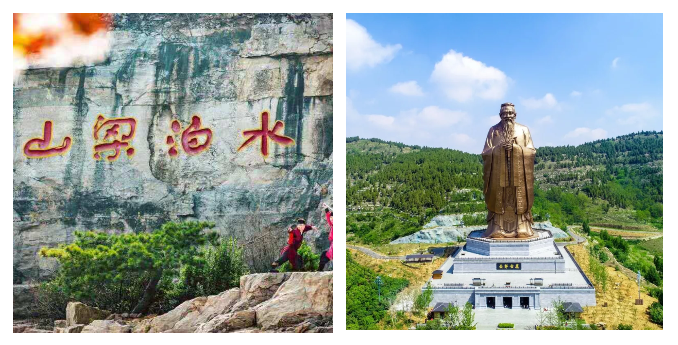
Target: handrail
x=511, y=258
x=568, y=287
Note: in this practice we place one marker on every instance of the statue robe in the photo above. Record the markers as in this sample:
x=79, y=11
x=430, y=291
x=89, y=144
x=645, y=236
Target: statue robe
x=509, y=196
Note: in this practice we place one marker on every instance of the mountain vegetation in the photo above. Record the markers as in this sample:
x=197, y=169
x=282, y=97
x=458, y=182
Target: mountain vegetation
x=392, y=189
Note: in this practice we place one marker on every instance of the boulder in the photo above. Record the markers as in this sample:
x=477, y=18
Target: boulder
x=20, y=328
x=257, y=288
x=107, y=326
x=36, y=330
x=265, y=302
x=229, y=322
x=78, y=313
x=190, y=314
x=60, y=323
x=301, y=297
x=69, y=329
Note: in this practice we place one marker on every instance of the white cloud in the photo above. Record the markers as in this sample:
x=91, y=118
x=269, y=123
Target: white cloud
x=462, y=78
x=462, y=139
x=362, y=50
x=632, y=114
x=492, y=120
x=614, y=62
x=381, y=120
x=436, y=117
x=430, y=126
x=546, y=102
x=407, y=88
x=630, y=108
x=583, y=134
x=545, y=120
x=575, y=94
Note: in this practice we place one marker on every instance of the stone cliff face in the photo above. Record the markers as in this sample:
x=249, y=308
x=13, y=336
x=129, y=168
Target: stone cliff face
x=161, y=71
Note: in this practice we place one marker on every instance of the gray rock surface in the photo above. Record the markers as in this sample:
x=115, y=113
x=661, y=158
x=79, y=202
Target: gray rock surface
x=278, y=302
x=448, y=228
x=22, y=300
x=162, y=67
x=106, y=326
x=78, y=313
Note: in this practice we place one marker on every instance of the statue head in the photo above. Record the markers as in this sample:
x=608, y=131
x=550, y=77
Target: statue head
x=507, y=111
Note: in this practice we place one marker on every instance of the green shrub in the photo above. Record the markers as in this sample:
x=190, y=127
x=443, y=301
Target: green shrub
x=505, y=325
x=658, y=293
x=624, y=327
x=137, y=272
x=50, y=300
x=217, y=269
x=310, y=260
x=656, y=312
x=423, y=300
x=364, y=308
x=603, y=257
x=548, y=327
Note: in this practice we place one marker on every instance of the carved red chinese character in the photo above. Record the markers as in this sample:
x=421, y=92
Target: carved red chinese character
x=113, y=135
x=264, y=133
x=40, y=147
x=189, y=137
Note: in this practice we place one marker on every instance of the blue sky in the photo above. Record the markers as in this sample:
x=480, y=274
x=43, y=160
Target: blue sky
x=439, y=79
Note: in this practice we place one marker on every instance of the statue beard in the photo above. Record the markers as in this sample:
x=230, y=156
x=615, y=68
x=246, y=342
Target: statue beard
x=508, y=125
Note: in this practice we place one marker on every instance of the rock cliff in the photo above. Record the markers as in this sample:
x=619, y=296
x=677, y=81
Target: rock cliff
x=185, y=87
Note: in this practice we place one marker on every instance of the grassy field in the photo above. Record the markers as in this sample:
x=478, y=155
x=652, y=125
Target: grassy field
x=626, y=234
x=654, y=246
x=620, y=297
x=405, y=248
x=615, y=215
x=417, y=274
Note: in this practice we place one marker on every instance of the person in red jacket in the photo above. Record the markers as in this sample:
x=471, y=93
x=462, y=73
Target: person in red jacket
x=326, y=256
x=289, y=252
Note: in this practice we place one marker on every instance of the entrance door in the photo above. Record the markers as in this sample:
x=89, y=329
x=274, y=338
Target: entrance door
x=525, y=302
x=490, y=302
x=508, y=302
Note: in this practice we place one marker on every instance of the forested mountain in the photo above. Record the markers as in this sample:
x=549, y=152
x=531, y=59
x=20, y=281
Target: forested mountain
x=414, y=183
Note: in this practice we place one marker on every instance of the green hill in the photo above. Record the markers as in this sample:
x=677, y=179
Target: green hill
x=393, y=189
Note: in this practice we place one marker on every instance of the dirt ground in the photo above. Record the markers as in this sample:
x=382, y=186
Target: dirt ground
x=620, y=296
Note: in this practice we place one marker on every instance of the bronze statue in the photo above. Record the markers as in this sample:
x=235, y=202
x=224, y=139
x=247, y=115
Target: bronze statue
x=508, y=172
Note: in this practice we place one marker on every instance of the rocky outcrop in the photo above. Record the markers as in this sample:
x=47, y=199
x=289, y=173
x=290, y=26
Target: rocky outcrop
x=265, y=302
x=302, y=297
x=80, y=314
x=226, y=69
x=22, y=300
x=69, y=329
x=106, y=326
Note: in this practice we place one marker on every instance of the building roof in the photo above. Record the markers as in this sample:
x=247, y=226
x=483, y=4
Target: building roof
x=438, y=272
x=441, y=307
x=572, y=307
